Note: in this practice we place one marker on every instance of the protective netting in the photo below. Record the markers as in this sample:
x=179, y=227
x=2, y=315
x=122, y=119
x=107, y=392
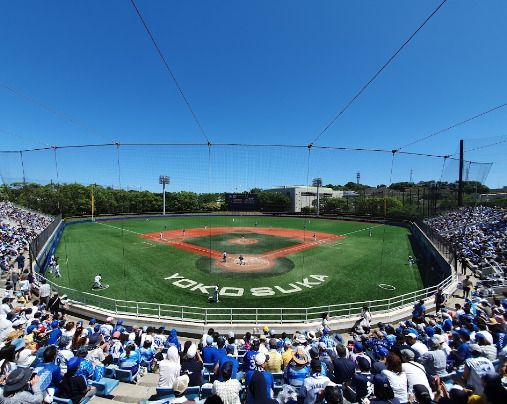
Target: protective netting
x=249, y=190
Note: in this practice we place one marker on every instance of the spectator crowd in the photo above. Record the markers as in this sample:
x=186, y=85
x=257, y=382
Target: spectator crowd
x=478, y=233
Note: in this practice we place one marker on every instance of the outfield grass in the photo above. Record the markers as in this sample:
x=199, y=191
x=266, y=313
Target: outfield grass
x=135, y=268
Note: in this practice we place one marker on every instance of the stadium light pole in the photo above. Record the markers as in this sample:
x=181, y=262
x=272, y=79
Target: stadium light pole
x=317, y=182
x=164, y=180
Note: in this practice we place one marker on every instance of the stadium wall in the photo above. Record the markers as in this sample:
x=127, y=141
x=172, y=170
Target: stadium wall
x=44, y=245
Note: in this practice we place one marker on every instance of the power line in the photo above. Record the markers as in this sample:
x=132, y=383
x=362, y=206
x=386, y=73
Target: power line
x=169, y=70
x=251, y=145
x=484, y=146
x=59, y=114
x=455, y=125
x=363, y=88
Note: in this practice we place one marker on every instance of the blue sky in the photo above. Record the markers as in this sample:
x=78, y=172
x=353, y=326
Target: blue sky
x=254, y=72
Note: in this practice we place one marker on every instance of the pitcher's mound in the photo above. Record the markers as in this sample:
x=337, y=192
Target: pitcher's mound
x=242, y=240
x=251, y=263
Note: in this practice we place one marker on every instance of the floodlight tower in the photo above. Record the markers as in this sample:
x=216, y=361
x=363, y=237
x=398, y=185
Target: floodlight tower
x=164, y=180
x=317, y=182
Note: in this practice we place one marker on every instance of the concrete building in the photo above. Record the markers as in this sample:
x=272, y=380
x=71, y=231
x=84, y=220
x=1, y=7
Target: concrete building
x=301, y=196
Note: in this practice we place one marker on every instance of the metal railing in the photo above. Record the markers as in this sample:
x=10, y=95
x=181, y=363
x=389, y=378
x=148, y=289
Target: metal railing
x=205, y=315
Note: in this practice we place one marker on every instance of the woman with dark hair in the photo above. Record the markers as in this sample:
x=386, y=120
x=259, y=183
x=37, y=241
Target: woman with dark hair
x=494, y=392
x=130, y=359
x=75, y=339
x=147, y=355
x=383, y=391
x=258, y=390
x=183, y=353
x=49, y=365
x=7, y=361
x=75, y=387
x=396, y=377
x=228, y=389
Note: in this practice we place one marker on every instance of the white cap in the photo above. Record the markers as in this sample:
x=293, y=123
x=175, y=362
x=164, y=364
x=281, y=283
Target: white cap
x=260, y=358
x=192, y=350
x=231, y=334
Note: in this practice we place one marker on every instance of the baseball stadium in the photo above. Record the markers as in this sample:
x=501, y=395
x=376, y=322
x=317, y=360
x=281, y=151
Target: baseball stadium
x=264, y=202
x=207, y=251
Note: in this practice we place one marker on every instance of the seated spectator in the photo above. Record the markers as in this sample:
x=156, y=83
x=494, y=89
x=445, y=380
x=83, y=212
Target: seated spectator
x=396, y=377
x=147, y=355
x=259, y=388
x=362, y=381
x=435, y=360
x=192, y=366
x=313, y=386
x=298, y=369
x=49, y=365
x=228, y=388
x=169, y=367
x=383, y=393
x=344, y=368
x=208, y=351
x=229, y=358
x=172, y=340
x=75, y=387
x=7, y=361
x=130, y=359
x=275, y=361
x=416, y=374
x=21, y=386
x=180, y=387
x=475, y=367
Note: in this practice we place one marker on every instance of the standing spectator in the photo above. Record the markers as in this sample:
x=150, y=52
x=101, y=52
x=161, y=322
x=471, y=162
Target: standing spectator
x=54, y=304
x=439, y=300
x=228, y=389
x=44, y=292
x=419, y=312
x=467, y=285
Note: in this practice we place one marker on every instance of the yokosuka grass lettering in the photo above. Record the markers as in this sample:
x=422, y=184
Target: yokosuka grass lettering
x=294, y=287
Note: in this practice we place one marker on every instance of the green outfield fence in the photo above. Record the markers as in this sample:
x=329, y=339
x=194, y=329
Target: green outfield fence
x=237, y=315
